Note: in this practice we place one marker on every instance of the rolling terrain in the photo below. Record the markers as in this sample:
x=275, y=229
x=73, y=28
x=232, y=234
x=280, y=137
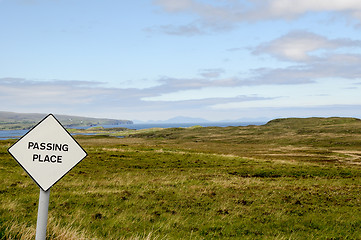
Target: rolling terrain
x=287, y=179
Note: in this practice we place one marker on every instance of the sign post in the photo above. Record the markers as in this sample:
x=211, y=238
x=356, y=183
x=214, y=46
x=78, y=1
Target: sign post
x=47, y=153
x=42, y=214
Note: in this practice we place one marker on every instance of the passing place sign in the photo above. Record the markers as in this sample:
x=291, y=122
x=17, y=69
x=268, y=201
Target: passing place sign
x=47, y=152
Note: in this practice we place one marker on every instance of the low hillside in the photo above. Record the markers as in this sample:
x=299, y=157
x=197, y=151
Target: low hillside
x=290, y=129
x=290, y=138
x=295, y=138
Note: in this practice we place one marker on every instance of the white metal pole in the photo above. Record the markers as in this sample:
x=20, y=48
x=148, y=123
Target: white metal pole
x=42, y=215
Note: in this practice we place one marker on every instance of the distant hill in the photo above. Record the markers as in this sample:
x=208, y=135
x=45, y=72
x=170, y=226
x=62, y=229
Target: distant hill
x=15, y=121
x=315, y=122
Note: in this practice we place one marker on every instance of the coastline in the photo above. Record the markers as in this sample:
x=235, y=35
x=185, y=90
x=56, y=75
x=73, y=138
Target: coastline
x=16, y=134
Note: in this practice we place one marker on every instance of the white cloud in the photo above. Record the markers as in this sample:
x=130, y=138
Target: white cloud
x=28, y=93
x=92, y=99
x=314, y=57
x=211, y=10
x=299, y=46
x=73, y=97
x=337, y=66
x=261, y=9
x=212, y=72
x=213, y=16
x=295, y=46
x=293, y=9
x=191, y=29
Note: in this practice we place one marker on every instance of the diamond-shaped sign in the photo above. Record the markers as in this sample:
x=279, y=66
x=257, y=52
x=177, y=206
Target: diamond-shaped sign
x=47, y=152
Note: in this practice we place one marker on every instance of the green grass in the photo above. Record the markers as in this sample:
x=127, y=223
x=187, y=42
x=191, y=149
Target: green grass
x=200, y=183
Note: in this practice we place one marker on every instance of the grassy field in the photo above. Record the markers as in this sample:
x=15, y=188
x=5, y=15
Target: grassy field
x=288, y=179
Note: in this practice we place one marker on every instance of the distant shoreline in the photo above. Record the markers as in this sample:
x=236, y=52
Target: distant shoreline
x=138, y=126
x=15, y=134
x=25, y=121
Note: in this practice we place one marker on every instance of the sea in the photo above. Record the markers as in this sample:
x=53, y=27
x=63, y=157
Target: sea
x=16, y=134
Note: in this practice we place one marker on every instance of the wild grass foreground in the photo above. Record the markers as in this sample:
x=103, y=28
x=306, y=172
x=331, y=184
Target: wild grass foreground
x=288, y=179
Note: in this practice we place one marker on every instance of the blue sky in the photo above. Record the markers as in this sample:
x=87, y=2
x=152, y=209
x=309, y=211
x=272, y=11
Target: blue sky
x=154, y=60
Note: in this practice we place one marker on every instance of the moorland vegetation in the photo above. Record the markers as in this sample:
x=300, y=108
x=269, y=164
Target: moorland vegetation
x=287, y=179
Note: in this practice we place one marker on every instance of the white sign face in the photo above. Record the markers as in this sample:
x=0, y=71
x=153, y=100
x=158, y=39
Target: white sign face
x=47, y=152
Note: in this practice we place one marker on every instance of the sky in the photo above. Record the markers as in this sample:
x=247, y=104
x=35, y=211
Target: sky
x=158, y=59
